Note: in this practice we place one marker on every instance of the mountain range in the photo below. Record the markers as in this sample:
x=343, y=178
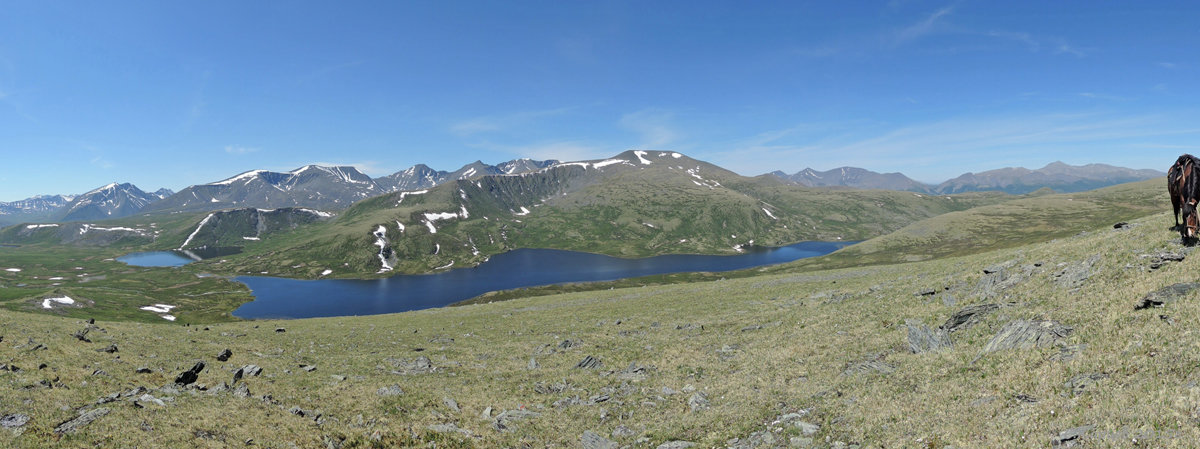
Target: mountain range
x=336, y=188
x=1057, y=176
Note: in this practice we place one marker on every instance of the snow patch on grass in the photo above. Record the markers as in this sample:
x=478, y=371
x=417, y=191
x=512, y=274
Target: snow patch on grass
x=48, y=303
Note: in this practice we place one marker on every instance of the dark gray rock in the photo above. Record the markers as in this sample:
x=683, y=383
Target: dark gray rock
x=81, y=421
x=589, y=362
x=1166, y=294
x=189, y=377
x=13, y=421
x=1071, y=437
x=1026, y=334
x=143, y=370
x=308, y=368
x=968, y=316
x=569, y=343
x=280, y=330
x=922, y=339
x=224, y=355
x=241, y=391
x=109, y=349
x=246, y=371
x=81, y=335
x=593, y=440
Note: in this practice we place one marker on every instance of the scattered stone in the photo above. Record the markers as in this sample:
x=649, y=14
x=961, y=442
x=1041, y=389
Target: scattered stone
x=449, y=428
x=13, y=421
x=589, y=362
x=1025, y=334
x=1071, y=437
x=1068, y=353
x=246, y=371
x=968, y=317
x=874, y=365
x=151, y=399
x=1073, y=276
x=308, y=368
x=927, y=292
x=728, y=352
x=280, y=330
x=486, y=414
x=622, y=431
x=189, y=377
x=593, y=440
x=922, y=339
x=99, y=372
x=633, y=372
x=224, y=355
x=505, y=420
x=533, y=364
x=668, y=391
x=391, y=390
x=109, y=349
x=752, y=328
x=338, y=377
x=1022, y=397
x=143, y=370
x=1078, y=384
x=451, y=404
x=698, y=401
x=419, y=365
x=1121, y=225
x=79, y=422
x=677, y=444
x=1166, y=294
x=241, y=391
x=569, y=343
x=81, y=335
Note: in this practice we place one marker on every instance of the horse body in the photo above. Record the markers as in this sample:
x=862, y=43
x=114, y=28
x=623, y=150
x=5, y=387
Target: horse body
x=1183, y=184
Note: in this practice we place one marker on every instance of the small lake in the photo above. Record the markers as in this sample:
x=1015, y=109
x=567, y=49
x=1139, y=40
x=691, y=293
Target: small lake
x=175, y=258
x=292, y=298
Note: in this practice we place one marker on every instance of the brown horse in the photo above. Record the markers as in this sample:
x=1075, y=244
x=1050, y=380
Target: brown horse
x=1183, y=184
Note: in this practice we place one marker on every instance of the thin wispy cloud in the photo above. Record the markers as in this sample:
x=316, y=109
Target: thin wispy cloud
x=926, y=26
x=238, y=149
x=505, y=122
x=653, y=127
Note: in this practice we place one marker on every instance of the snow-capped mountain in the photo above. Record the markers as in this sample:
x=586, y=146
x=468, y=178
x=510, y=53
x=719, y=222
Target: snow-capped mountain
x=312, y=186
x=854, y=177
x=111, y=201
x=37, y=204
x=420, y=176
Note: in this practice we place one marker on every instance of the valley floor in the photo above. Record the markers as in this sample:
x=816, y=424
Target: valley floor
x=1023, y=347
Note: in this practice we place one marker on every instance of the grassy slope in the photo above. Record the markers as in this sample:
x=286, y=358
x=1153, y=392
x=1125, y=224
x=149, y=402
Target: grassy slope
x=706, y=335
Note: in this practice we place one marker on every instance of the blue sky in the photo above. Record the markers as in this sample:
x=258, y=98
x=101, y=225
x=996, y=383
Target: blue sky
x=169, y=94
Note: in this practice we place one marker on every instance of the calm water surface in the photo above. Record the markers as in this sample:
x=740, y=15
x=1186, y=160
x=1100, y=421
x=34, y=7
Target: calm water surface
x=291, y=298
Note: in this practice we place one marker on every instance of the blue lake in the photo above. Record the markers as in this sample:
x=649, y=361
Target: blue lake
x=156, y=259
x=291, y=298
